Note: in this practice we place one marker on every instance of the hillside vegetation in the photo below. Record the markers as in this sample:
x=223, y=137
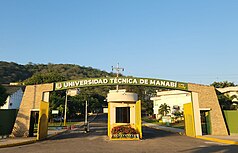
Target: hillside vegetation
x=13, y=72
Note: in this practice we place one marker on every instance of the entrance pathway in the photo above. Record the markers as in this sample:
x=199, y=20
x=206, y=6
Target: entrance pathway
x=9, y=142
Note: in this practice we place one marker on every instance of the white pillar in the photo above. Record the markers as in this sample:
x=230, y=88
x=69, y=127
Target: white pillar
x=196, y=114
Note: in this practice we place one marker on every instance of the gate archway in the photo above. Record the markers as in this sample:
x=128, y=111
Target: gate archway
x=203, y=97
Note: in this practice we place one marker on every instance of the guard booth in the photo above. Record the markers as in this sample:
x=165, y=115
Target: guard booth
x=124, y=115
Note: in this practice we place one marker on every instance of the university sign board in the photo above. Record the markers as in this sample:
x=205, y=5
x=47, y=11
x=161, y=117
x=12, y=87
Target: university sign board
x=108, y=81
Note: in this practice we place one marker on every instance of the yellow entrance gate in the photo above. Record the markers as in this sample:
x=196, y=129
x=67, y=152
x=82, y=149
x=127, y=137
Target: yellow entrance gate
x=189, y=120
x=42, y=130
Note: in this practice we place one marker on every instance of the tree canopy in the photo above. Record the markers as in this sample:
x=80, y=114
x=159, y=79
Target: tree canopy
x=37, y=73
x=224, y=99
x=164, y=109
x=223, y=84
x=3, y=95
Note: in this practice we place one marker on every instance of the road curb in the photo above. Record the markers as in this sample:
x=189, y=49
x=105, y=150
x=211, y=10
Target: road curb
x=18, y=144
x=218, y=140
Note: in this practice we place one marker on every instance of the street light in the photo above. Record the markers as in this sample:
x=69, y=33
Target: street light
x=70, y=92
x=118, y=69
x=65, y=107
x=86, y=117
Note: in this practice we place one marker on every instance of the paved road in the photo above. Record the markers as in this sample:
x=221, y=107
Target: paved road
x=154, y=141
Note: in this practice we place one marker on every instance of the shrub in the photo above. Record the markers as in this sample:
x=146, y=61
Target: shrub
x=123, y=129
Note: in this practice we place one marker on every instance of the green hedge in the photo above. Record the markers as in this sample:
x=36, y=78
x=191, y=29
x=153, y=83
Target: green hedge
x=7, y=120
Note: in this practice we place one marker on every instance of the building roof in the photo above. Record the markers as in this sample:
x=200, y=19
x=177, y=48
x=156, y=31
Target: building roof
x=228, y=89
x=168, y=93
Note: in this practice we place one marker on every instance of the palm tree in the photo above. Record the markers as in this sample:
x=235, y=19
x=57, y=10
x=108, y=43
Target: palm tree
x=164, y=109
x=227, y=102
x=223, y=84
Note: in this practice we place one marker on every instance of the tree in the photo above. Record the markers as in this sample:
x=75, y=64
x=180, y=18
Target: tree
x=57, y=98
x=44, y=78
x=76, y=105
x=164, y=109
x=234, y=106
x=144, y=94
x=3, y=95
x=225, y=101
x=223, y=84
x=231, y=104
x=61, y=110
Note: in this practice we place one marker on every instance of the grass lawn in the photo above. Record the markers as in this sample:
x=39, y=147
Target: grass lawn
x=151, y=120
x=179, y=125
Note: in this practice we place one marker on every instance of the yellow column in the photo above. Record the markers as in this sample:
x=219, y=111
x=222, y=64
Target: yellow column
x=138, y=118
x=189, y=120
x=42, y=130
x=108, y=121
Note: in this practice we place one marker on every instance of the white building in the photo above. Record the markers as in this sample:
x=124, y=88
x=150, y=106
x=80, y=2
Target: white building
x=73, y=92
x=15, y=94
x=173, y=98
x=230, y=91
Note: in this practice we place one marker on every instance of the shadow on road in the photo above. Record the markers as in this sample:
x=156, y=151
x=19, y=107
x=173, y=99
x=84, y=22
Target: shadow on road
x=214, y=148
x=99, y=129
x=150, y=133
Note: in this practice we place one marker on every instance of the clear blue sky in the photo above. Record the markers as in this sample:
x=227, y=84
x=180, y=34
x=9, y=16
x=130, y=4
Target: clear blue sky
x=184, y=40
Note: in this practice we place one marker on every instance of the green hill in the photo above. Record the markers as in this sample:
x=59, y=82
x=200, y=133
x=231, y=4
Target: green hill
x=13, y=72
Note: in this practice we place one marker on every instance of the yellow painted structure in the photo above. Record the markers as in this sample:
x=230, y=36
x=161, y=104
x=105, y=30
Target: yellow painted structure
x=42, y=130
x=138, y=118
x=108, y=121
x=189, y=120
x=122, y=99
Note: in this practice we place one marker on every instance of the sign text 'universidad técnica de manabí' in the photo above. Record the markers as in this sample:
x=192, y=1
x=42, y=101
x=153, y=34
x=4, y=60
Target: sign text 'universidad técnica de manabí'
x=120, y=81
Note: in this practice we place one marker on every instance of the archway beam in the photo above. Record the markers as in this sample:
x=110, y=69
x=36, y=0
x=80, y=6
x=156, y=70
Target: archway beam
x=110, y=81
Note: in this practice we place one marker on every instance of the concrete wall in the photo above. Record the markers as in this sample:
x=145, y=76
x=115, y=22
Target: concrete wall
x=208, y=99
x=31, y=100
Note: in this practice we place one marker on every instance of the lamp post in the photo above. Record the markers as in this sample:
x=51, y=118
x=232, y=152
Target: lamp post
x=118, y=69
x=86, y=117
x=65, y=107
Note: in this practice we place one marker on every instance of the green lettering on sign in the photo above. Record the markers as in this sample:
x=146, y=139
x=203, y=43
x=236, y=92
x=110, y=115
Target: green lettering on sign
x=120, y=81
